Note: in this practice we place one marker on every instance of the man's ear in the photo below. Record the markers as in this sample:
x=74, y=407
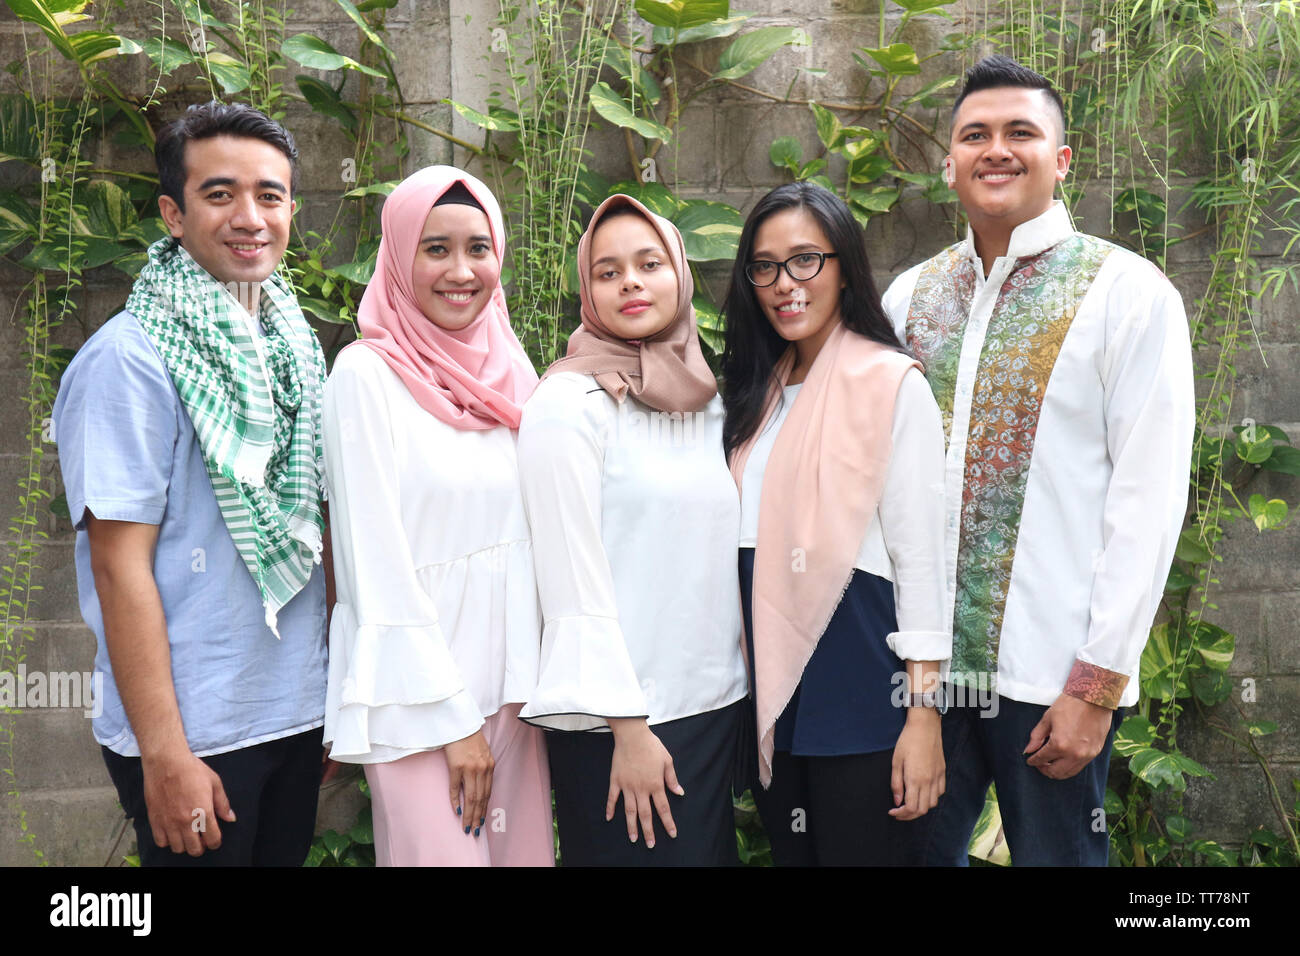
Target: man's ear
x=949, y=176
x=1063, y=155
x=172, y=216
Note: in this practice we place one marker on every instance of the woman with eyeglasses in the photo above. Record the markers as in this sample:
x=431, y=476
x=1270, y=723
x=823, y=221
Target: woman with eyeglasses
x=836, y=443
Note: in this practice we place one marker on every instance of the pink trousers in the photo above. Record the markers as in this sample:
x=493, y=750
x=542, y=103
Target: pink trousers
x=415, y=824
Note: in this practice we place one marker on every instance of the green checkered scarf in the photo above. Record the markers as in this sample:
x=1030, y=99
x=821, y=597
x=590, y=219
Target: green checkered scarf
x=258, y=421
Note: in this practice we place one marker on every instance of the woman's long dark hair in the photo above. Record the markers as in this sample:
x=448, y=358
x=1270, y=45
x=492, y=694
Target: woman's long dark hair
x=753, y=347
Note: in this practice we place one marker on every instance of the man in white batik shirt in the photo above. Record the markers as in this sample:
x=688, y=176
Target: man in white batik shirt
x=1062, y=367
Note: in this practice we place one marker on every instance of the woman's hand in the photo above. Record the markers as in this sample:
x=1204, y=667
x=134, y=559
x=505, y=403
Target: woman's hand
x=469, y=768
x=328, y=768
x=918, y=777
x=639, y=771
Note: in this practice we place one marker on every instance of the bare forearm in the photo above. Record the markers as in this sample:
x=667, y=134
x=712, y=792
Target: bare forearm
x=135, y=631
x=922, y=676
x=179, y=788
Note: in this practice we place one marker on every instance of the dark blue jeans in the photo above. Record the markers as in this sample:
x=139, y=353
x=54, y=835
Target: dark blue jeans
x=1047, y=822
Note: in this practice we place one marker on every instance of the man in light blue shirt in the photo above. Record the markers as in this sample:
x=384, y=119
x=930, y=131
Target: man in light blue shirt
x=214, y=680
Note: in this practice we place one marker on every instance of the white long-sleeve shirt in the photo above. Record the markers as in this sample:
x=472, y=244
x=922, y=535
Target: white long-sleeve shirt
x=437, y=622
x=1065, y=381
x=904, y=543
x=635, y=521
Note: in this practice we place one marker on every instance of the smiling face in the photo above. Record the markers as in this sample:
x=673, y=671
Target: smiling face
x=1006, y=156
x=632, y=282
x=806, y=311
x=237, y=208
x=456, y=268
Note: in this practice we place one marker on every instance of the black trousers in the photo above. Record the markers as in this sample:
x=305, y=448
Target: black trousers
x=704, y=749
x=272, y=787
x=834, y=811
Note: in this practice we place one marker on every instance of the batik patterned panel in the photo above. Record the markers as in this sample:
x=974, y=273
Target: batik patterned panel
x=1035, y=307
x=936, y=322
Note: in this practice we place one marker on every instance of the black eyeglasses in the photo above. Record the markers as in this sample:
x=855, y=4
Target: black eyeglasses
x=801, y=267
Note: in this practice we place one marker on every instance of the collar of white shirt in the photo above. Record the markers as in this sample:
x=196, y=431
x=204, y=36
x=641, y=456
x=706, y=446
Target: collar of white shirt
x=1032, y=236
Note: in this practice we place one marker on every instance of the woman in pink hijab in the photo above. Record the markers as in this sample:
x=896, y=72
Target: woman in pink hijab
x=434, y=639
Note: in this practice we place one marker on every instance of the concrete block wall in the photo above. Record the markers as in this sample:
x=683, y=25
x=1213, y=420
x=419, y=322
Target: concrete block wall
x=721, y=152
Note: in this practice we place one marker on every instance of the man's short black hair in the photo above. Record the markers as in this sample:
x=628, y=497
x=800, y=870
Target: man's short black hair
x=999, y=71
x=206, y=120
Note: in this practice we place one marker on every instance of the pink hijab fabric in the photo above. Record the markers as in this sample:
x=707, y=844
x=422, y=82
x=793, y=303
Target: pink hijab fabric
x=821, y=487
x=666, y=371
x=475, y=378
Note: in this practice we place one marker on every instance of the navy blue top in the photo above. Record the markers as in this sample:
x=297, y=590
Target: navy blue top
x=844, y=703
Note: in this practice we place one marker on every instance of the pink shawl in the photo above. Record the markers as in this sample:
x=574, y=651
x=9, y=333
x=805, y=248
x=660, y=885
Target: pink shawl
x=475, y=378
x=821, y=487
x=667, y=371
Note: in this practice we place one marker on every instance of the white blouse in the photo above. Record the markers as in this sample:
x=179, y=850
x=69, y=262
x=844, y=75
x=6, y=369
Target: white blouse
x=635, y=520
x=437, y=622
x=905, y=541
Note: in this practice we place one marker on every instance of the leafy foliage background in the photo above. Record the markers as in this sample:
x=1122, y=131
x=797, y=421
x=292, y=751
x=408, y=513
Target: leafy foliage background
x=1183, y=116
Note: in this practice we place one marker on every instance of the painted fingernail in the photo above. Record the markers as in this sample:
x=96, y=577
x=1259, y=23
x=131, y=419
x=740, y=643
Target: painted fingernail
x=476, y=831
x=458, y=811
x=649, y=844
x=467, y=829
x=482, y=820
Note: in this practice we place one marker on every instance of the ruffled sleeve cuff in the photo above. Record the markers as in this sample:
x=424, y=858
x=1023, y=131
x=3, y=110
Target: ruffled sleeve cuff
x=586, y=677
x=920, y=645
x=1096, y=684
x=393, y=690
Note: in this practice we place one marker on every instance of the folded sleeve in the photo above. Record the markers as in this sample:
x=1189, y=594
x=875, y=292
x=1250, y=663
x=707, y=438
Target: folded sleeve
x=912, y=523
x=116, y=425
x=394, y=686
x=586, y=673
x=1150, y=410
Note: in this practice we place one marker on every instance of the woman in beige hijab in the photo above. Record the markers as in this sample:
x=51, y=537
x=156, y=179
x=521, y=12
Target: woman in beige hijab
x=635, y=522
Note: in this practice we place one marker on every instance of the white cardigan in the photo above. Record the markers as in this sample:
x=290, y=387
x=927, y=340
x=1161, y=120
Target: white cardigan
x=437, y=623
x=635, y=522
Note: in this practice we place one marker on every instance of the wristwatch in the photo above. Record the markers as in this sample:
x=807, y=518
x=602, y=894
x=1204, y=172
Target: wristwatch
x=937, y=699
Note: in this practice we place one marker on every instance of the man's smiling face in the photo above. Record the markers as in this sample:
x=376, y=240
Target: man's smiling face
x=237, y=207
x=1007, y=155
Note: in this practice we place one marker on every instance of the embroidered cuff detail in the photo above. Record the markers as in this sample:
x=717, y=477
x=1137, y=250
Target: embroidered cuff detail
x=1096, y=685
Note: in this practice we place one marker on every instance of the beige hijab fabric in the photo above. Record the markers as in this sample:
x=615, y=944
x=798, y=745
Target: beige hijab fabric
x=666, y=371
x=821, y=487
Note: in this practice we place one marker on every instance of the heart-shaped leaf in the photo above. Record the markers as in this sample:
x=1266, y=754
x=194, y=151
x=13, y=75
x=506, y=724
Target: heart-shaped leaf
x=316, y=54
x=681, y=14
x=710, y=230
x=611, y=106
x=897, y=59
x=750, y=50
